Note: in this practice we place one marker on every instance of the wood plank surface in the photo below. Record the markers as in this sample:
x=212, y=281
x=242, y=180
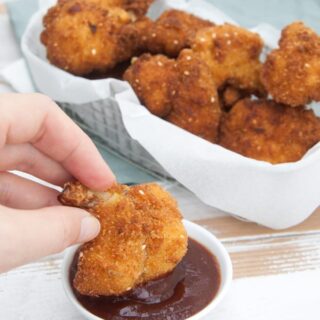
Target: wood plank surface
x=228, y=227
x=259, y=251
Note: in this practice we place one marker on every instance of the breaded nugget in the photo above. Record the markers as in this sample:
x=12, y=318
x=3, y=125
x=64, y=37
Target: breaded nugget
x=230, y=95
x=232, y=54
x=138, y=7
x=265, y=130
x=82, y=38
x=182, y=92
x=152, y=78
x=132, y=35
x=291, y=73
x=142, y=237
x=73, y=6
x=106, y=4
x=173, y=31
x=195, y=102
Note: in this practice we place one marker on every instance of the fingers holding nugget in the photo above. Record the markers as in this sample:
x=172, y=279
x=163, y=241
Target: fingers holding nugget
x=142, y=237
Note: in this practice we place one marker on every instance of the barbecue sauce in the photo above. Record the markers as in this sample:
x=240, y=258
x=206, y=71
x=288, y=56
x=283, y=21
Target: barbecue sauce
x=189, y=288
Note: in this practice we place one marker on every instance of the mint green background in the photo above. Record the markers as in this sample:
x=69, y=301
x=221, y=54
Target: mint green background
x=247, y=13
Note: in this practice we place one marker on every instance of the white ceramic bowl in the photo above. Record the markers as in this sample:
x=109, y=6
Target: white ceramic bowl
x=197, y=233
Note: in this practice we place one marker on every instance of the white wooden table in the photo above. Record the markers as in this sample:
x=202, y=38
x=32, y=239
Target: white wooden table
x=276, y=273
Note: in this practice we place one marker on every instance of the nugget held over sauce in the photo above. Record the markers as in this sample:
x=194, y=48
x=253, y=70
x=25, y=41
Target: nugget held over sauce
x=194, y=100
x=152, y=78
x=265, y=130
x=142, y=237
x=173, y=31
x=82, y=38
x=232, y=53
x=291, y=73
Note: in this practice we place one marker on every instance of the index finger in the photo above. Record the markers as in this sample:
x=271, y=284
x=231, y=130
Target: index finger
x=36, y=119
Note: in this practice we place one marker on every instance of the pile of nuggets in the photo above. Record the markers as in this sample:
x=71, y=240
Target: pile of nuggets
x=205, y=78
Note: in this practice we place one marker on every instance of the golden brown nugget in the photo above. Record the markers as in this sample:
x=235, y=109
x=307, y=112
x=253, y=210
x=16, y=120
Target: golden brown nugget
x=291, y=73
x=195, y=102
x=265, y=130
x=173, y=31
x=106, y=4
x=138, y=7
x=230, y=95
x=132, y=36
x=82, y=38
x=142, y=237
x=232, y=53
x=152, y=78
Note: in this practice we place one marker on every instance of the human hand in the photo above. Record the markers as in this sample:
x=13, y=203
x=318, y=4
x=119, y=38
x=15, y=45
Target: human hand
x=36, y=137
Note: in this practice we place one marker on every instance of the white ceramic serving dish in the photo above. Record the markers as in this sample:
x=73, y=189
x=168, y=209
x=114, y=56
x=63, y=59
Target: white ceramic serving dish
x=195, y=232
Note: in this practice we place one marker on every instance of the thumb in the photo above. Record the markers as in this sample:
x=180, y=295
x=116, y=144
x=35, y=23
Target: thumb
x=29, y=235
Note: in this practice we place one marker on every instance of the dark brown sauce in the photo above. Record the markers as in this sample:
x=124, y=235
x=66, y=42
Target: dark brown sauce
x=189, y=288
x=116, y=73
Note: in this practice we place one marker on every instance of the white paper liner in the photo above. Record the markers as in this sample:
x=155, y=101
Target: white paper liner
x=277, y=196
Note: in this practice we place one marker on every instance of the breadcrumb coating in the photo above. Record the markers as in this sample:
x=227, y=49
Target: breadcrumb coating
x=195, y=101
x=173, y=31
x=152, y=78
x=291, y=73
x=137, y=7
x=265, y=130
x=142, y=237
x=82, y=38
x=230, y=95
x=181, y=91
x=232, y=53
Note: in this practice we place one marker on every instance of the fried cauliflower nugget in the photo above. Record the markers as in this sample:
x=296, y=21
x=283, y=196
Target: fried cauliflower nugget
x=152, y=78
x=106, y=4
x=291, y=73
x=173, y=31
x=232, y=54
x=132, y=35
x=230, y=95
x=182, y=92
x=142, y=237
x=138, y=7
x=195, y=102
x=265, y=130
x=82, y=38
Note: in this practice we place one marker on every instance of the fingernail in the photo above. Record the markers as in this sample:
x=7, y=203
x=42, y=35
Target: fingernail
x=90, y=228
